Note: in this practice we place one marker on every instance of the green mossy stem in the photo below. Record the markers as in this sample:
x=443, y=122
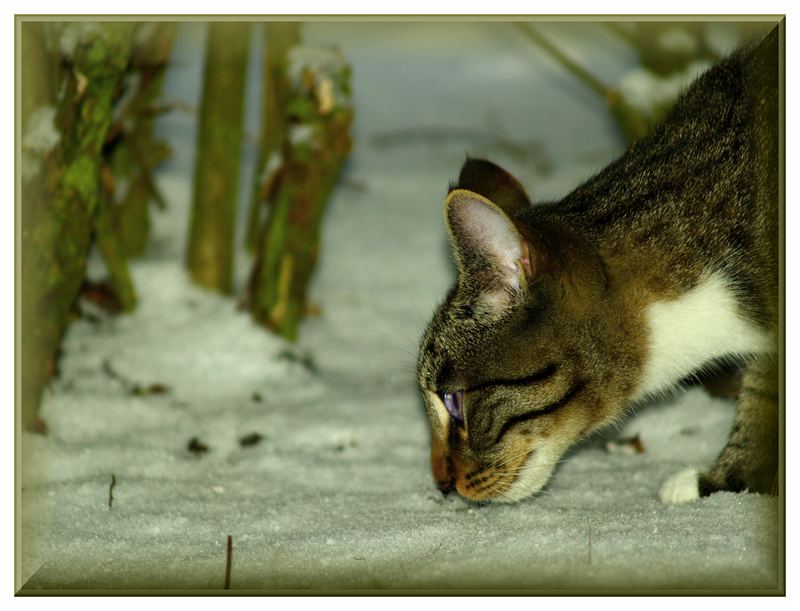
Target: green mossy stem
x=57, y=208
x=279, y=38
x=112, y=250
x=138, y=151
x=289, y=241
x=209, y=256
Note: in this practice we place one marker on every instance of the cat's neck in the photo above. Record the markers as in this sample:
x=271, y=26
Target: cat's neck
x=681, y=317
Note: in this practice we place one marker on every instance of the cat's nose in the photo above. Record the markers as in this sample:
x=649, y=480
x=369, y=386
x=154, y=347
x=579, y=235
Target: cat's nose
x=446, y=486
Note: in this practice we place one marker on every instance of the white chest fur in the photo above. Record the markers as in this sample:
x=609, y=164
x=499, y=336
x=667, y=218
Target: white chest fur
x=688, y=332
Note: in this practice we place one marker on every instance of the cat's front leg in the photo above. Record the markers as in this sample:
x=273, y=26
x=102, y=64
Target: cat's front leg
x=749, y=461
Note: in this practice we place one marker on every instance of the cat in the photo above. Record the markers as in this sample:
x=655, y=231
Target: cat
x=565, y=314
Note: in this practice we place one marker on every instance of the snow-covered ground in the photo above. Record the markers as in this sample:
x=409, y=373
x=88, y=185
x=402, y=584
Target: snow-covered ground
x=338, y=494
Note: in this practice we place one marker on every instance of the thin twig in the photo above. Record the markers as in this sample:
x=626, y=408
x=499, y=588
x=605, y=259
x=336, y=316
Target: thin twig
x=111, y=373
x=586, y=77
x=131, y=387
x=111, y=490
x=181, y=106
x=228, y=559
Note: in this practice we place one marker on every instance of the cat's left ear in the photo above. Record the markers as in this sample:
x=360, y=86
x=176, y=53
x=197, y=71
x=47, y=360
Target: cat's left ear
x=495, y=184
x=488, y=247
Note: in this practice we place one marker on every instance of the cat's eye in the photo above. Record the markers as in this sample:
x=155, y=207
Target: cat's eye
x=454, y=404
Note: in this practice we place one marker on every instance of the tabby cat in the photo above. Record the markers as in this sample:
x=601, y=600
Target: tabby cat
x=565, y=314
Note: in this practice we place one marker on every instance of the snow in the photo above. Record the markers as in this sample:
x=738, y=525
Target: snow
x=338, y=494
x=722, y=37
x=300, y=134
x=323, y=69
x=677, y=40
x=320, y=60
x=272, y=165
x=76, y=32
x=646, y=90
x=41, y=136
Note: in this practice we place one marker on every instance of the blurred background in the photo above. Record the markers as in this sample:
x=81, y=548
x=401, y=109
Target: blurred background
x=232, y=239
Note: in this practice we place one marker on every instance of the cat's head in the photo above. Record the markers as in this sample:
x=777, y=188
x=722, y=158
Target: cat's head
x=513, y=366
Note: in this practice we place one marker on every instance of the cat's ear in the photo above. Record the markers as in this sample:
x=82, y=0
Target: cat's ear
x=490, y=252
x=495, y=184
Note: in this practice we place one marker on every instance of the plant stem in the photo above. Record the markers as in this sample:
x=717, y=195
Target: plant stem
x=586, y=77
x=216, y=179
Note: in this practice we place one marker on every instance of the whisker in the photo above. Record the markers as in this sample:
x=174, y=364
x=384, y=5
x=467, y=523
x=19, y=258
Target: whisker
x=513, y=473
x=395, y=330
x=507, y=485
x=508, y=460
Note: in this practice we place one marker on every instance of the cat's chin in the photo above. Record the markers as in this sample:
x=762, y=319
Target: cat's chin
x=533, y=476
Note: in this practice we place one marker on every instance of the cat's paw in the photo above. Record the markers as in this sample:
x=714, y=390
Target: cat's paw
x=683, y=487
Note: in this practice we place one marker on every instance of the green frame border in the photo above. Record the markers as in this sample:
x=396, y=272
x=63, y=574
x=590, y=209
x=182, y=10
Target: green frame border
x=778, y=19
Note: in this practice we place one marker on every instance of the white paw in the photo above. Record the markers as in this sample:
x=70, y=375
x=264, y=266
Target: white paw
x=680, y=488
